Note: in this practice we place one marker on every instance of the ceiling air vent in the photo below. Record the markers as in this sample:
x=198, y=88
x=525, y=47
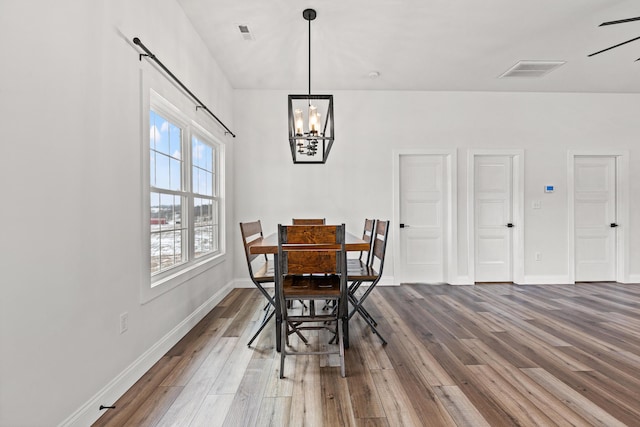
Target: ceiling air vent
x=244, y=31
x=532, y=68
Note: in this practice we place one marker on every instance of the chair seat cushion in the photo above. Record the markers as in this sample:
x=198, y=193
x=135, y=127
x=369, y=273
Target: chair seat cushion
x=319, y=286
x=265, y=273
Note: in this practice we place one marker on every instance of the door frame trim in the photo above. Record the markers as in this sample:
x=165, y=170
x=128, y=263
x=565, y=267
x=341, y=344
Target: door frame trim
x=517, y=196
x=450, y=215
x=622, y=210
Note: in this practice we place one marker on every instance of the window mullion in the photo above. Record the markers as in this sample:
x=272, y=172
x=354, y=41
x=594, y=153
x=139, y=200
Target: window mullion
x=188, y=182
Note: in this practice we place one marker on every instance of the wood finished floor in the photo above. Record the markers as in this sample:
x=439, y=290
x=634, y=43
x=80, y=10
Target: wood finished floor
x=485, y=355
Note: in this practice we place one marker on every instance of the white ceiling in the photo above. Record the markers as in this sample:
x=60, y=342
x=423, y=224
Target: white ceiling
x=448, y=45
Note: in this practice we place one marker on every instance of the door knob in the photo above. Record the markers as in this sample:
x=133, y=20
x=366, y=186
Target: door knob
x=510, y=225
x=404, y=226
x=614, y=225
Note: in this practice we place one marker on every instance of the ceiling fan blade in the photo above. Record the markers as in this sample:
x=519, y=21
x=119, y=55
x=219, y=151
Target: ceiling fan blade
x=613, y=47
x=619, y=21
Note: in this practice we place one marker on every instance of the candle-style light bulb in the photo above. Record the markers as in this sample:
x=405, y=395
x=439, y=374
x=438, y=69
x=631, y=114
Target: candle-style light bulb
x=313, y=120
x=299, y=123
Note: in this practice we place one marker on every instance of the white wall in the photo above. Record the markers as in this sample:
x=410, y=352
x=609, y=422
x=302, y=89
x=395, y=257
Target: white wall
x=72, y=235
x=72, y=240
x=356, y=182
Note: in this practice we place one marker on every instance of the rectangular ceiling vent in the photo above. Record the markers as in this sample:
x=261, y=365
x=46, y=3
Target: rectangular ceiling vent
x=532, y=68
x=244, y=32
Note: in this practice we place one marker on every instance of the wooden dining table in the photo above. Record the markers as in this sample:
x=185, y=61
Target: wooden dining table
x=269, y=245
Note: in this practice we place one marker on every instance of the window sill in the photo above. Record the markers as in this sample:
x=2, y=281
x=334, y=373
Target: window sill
x=152, y=289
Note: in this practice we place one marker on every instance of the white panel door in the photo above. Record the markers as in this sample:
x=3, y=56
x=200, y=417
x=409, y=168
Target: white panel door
x=595, y=213
x=493, y=212
x=422, y=222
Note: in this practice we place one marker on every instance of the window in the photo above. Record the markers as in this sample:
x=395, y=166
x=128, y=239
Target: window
x=184, y=195
x=204, y=202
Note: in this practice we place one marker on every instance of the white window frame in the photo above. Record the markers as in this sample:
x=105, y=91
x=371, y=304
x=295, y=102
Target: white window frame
x=153, y=285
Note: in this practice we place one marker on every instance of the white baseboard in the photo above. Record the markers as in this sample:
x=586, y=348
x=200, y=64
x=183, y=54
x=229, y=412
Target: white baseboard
x=462, y=281
x=634, y=278
x=386, y=281
x=528, y=280
x=546, y=280
x=89, y=412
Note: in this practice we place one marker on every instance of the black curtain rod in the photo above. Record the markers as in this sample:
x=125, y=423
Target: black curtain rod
x=166, y=70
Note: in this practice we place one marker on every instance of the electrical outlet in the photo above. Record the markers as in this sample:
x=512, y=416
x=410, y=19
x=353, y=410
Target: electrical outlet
x=124, y=322
x=538, y=256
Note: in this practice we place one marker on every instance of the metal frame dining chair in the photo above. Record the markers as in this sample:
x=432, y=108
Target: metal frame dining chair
x=251, y=233
x=370, y=273
x=312, y=266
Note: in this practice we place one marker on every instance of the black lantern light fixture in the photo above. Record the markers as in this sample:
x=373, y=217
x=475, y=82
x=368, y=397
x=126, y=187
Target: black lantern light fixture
x=310, y=119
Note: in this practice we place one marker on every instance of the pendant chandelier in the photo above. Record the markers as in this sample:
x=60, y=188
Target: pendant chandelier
x=310, y=119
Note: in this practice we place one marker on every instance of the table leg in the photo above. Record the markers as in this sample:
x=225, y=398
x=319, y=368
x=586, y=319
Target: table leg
x=344, y=313
x=276, y=272
x=345, y=331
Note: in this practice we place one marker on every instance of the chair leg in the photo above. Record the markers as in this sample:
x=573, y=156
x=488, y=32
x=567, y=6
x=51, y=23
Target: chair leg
x=373, y=328
x=341, y=345
x=295, y=330
x=363, y=312
x=357, y=307
x=375, y=331
x=264, y=323
x=291, y=327
x=353, y=287
x=334, y=338
x=267, y=313
x=283, y=350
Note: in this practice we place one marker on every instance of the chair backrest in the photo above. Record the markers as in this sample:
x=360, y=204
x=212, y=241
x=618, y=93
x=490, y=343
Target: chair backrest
x=251, y=233
x=367, y=236
x=309, y=221
x=380, y=238
x=311, y=249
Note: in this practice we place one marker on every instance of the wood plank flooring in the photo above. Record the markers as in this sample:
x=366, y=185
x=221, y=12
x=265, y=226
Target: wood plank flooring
x=484, y=355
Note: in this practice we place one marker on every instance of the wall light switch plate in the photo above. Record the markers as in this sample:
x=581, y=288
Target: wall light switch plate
x=536, y=204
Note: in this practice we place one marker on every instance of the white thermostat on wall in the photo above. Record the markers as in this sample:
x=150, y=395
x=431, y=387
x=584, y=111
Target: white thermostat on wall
x=549, y=188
